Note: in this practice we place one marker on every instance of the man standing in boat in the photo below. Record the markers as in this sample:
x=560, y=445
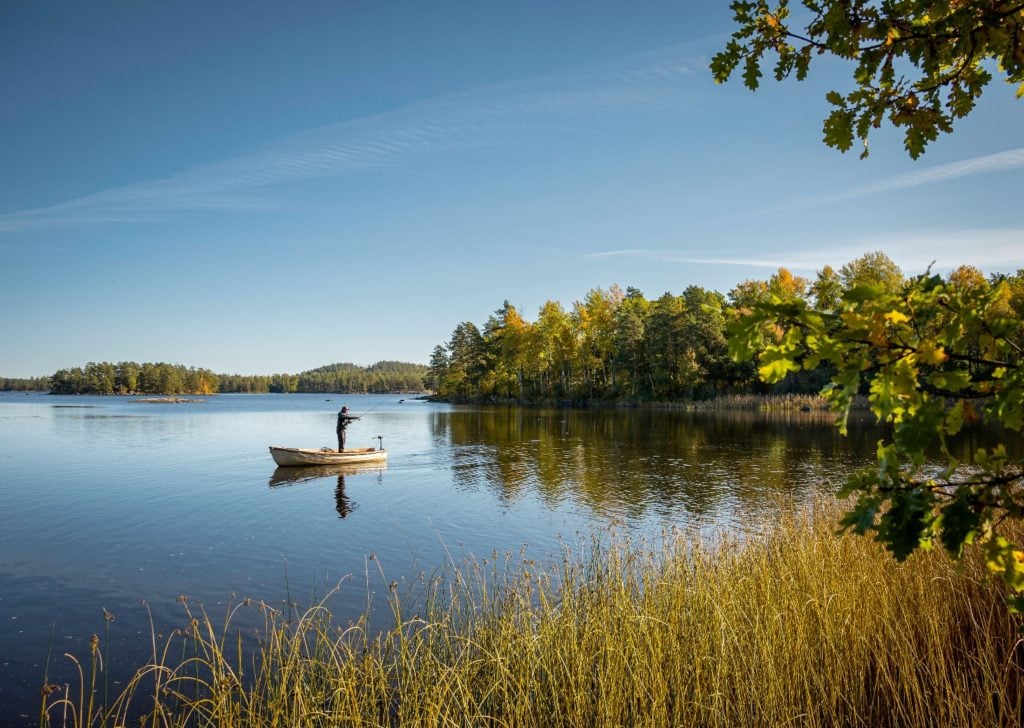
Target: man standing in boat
x=344, y=418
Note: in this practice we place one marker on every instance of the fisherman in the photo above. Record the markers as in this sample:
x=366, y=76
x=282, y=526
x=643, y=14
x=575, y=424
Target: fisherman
x=344, y=418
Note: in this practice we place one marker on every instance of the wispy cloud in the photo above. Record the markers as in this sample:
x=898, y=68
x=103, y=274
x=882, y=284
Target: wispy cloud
x=991, y=249
x=502, y=114
x=624, y=253
x=1009, y=160
x=670, y=256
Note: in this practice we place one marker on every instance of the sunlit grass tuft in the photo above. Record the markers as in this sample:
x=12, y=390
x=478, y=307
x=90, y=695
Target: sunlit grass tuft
x=790, y=626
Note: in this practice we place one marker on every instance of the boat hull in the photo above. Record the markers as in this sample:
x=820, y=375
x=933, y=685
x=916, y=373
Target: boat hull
x=295, y=456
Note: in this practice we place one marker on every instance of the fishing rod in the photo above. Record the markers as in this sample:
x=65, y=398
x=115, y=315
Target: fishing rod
x=370, y=410
x=380, y=438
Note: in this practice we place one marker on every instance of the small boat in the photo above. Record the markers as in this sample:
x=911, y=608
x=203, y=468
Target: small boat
x=287, y=456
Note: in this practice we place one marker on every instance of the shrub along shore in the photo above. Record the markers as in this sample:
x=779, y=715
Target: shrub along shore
x=787, y=624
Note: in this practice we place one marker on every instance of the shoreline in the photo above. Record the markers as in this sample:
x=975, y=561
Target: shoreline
x=742, y=402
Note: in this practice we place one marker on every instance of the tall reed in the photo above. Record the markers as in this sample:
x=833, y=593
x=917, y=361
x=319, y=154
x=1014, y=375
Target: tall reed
x=790, y=625
x=768, y=403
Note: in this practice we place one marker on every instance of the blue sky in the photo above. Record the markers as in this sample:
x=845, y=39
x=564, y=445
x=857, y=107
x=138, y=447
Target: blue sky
x=261, y=187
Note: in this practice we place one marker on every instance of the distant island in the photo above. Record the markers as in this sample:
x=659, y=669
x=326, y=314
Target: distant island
x=175, y=379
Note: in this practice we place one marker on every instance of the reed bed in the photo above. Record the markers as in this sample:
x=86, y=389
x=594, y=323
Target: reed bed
x=768, y=403
x=787, y=626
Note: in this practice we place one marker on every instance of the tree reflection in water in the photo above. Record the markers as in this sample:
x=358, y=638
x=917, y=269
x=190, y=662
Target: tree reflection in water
x=637, y=463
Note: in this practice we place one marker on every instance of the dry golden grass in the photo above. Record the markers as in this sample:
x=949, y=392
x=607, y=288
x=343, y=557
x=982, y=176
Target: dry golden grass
x=792, y=626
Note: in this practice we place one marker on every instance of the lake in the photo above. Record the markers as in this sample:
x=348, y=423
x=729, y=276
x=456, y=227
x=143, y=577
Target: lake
x=112, y=503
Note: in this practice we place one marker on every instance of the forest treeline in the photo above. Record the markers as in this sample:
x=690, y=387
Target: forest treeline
x=619, y=346
x=27, y=384
x=379, y=378
x=161, y=378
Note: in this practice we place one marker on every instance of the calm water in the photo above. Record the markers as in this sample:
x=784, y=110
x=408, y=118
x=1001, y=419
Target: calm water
x=112, y=503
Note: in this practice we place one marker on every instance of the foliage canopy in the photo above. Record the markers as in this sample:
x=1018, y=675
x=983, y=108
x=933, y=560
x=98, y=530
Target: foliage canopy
x=921, y=64
x=933, y=356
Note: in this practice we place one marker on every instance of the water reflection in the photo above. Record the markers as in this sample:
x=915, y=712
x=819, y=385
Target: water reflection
x=634, y=462
x=291, y=475
x=342, y=503
x=285, y=476
x=637, y=463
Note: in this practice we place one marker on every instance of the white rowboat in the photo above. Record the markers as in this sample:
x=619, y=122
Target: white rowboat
x=287, y=456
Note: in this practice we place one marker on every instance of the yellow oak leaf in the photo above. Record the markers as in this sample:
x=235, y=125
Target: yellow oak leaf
x=930, y=353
